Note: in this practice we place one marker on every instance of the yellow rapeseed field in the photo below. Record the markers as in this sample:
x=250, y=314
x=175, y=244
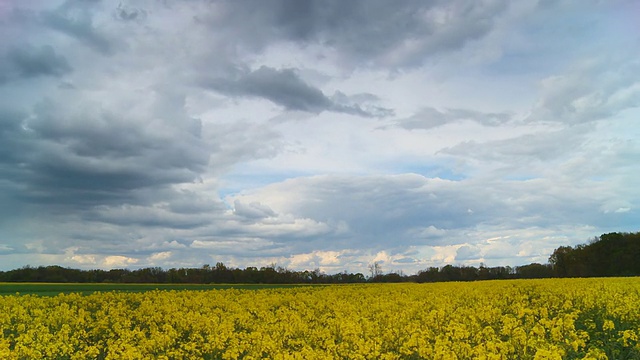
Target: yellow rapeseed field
x=519, y=319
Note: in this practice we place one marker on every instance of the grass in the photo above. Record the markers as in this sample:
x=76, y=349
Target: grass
x=53, y=289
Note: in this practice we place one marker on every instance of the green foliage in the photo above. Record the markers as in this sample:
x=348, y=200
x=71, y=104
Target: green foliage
x=613, y=254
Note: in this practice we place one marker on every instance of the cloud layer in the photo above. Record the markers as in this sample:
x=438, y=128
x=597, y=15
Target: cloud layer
x=314, y=134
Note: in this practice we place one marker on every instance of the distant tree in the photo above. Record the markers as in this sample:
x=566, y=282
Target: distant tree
x=534, y=271
x=375, y=269
x=561, y=260
x=431, y=274
x=483, y=272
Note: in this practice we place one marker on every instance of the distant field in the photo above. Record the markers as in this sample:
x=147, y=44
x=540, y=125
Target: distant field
x=53, y=289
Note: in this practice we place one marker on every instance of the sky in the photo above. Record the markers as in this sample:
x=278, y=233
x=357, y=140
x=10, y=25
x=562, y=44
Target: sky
x=315, y=134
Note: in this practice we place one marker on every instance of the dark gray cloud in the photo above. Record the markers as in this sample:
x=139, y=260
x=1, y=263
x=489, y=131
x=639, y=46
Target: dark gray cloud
x=75, y=18
x=146, y=216
x=379, y=33
x=285, y=87
x=10, y=131
x=86, y=156
x=27, y=61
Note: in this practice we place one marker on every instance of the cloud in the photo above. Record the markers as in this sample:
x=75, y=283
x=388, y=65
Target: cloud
x=314, y=134
x=466, y=252
x=63, y=153
x=590, y=91
x=429, y=117
x=241, y=141
x=75, y=19
x=160, y=256
x=374, y=33
x=398, y=212
x=147, y=216
x=127, y=13
x=119, y=261
x=360, y=104
x=253, y=210
x=28, y=61
x=379, y=210
x=540, y=146
x=284, y=87
x=84, y=259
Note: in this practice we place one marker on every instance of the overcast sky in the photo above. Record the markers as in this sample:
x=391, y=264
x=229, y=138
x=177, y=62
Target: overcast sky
x=315, y=134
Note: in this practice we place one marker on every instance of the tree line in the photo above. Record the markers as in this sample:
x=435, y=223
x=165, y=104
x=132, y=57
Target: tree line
x=613, y=254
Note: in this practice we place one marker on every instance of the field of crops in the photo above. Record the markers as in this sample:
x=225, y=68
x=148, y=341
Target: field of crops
x=520, y=319
x=52, y=289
